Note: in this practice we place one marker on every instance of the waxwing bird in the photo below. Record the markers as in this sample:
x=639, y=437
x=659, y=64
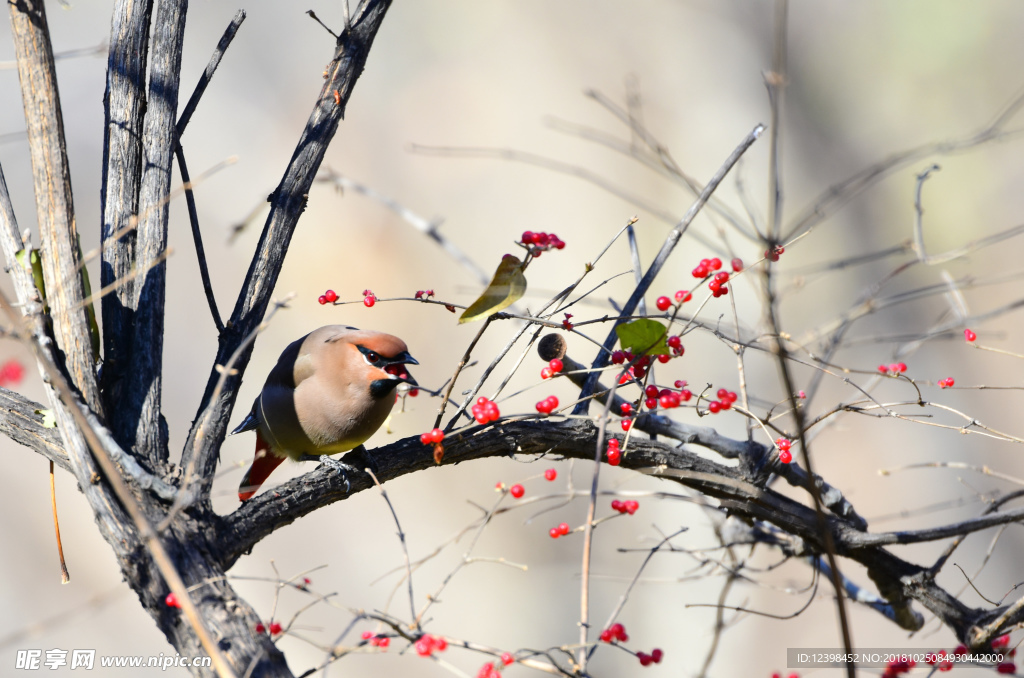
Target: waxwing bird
x=329, y=392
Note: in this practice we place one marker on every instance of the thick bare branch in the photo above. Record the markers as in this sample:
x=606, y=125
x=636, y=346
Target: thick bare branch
x=287, y=204
x=61, y=255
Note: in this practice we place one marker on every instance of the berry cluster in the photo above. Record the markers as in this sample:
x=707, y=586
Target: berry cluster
x=432, y=436
x=328, y=297
x=725, y=400
x=490, y=670
x=554, y=367
x=548, y=405
x=614, y=454
x=784, y=444
x=706, y=267
x=540, y=242
x=375, y=640
x=517, y=491
x=566, y=325
x=615, y=632
x=717, y=286
x=774, y=253
x=902, y=665
x=666, y=397
x=970, y=336
x=274, y=627
x=485, y=411
x=428, y=645
x=560, y=530
x=893, y=369
x=946, y=383
x=629, y=506
x=653, y=658
x=675, y=342
x=424, y=294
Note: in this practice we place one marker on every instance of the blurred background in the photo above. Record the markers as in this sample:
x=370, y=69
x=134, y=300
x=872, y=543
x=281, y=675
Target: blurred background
x=865, y=80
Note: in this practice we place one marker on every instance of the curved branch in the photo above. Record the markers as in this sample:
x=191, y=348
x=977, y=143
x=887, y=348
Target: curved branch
x=899, y=582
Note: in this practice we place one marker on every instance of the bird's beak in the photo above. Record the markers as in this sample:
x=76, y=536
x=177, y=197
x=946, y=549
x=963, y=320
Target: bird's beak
x=396, y=367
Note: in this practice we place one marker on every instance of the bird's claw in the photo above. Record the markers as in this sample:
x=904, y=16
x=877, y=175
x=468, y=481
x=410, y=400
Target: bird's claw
x=341, y=467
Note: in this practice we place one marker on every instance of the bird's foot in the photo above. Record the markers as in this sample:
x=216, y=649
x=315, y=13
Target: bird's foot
x=339, y=466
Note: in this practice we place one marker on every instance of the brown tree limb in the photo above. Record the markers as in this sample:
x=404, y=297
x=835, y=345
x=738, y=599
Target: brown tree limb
x=61, y=255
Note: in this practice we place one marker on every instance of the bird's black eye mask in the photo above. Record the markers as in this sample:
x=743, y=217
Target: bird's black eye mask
x=394, y=366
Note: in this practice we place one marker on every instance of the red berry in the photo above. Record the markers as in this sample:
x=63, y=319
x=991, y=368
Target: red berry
x=651, y=403
x=969, y=335
x=546, y=373
x=618, y=357
x=883, y=369
x=171, y=600
x=722, y=278
x=413, y=392
x=260, y=628
x=626, y=408
x=737, y=264
x=425, y=438
x=322, y=300
x=369, y=301
x=555, y=534
x=1001, y=641
x=714, y=407
x=669, y=401
x=685, y=395
x=616, y=505
x=679, y=383
x=663, y=303
x=436, y=435
x=606, y=636
x=645, y=659
x=785, y=456
x=722, y=394
x=614, y=456
x=1006, y=668
x=367, y=635
x=626, y=424
x=716, y=264
x=556, y=365
x=700, y=272
x=506, y=658
x=517, y=491
x=331, y=296
x=440, y=644
x=550, y=474
x=682, y=296
x=656, y=653
x=675, y=341
x=651, y=391
x=423, y=647
x=563, y=529
x=617, y=630
x=630, y=506
x=383, y=642
x=275, y=628
x=901, y=367
x=527, y=238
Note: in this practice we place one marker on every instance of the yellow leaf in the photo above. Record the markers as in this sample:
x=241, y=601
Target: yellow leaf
x=507, y=287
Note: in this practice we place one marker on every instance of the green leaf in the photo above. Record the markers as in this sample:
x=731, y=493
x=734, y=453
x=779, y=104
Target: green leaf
x=643, y=336
x=507, y=287
x=49, y=421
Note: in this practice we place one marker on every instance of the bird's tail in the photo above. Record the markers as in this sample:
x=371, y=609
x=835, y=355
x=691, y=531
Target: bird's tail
x=262, y=466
